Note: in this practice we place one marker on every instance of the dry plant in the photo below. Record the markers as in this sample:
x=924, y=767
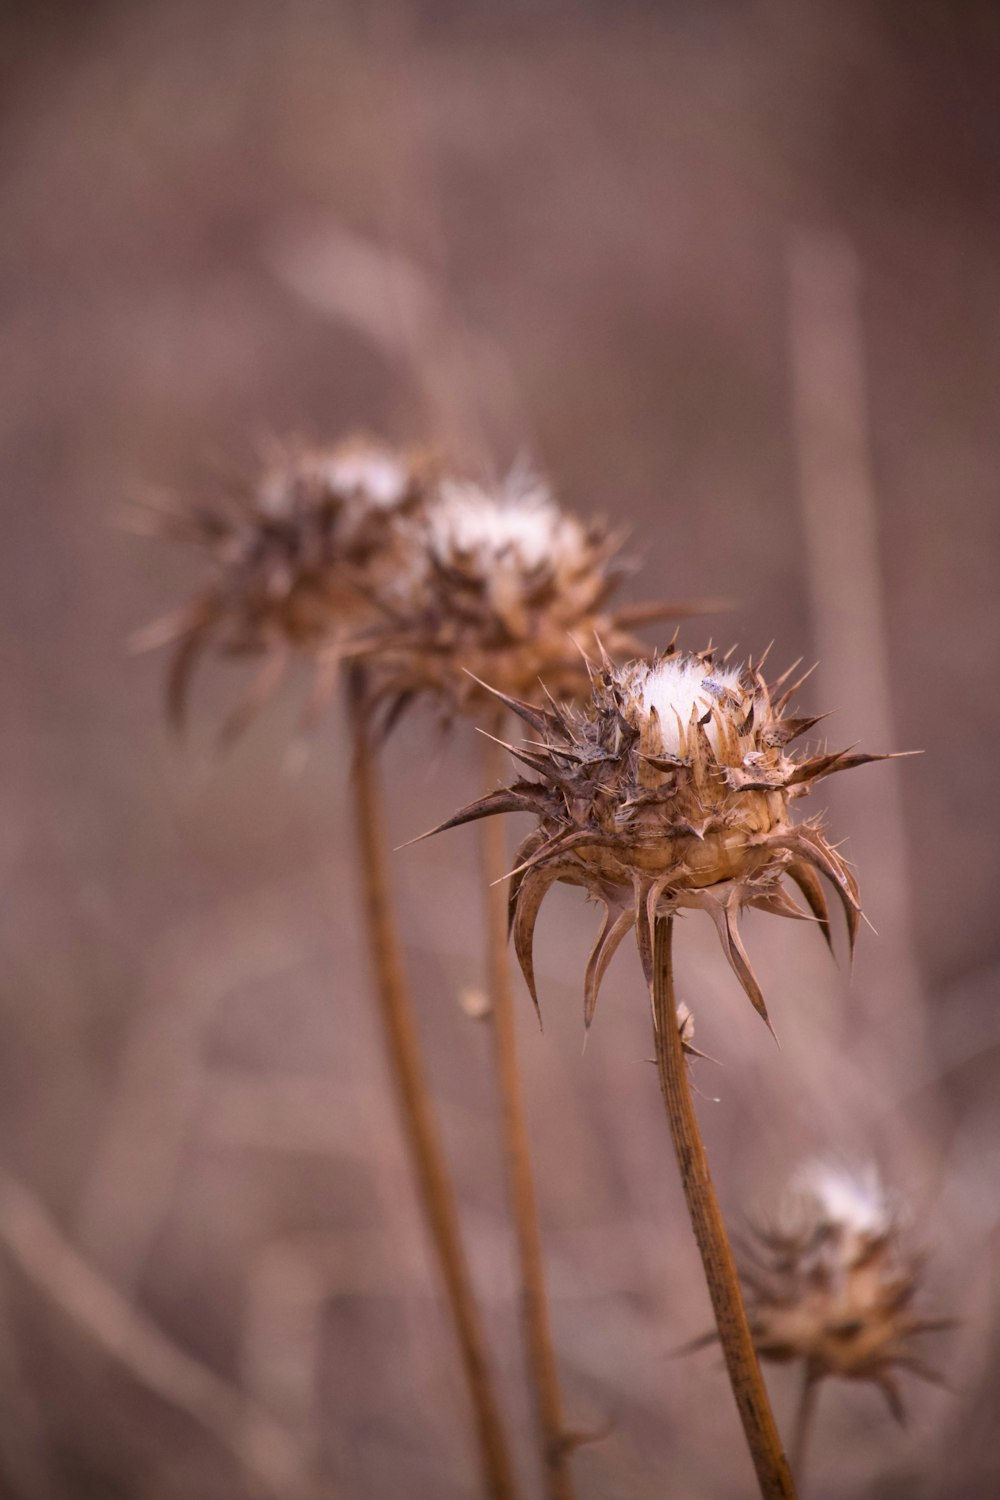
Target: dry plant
x=307, y=560
x=832, y=1283
x=672, y=791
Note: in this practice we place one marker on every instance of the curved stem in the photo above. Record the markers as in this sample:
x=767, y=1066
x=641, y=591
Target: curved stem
x=803, y=1422
x=517, y=1152
x=773, y=1474
x=435, y=1190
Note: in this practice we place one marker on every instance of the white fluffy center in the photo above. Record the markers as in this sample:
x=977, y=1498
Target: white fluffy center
x=520, y=526
x=681, y=687
x=854, y=1199
x=371, y=473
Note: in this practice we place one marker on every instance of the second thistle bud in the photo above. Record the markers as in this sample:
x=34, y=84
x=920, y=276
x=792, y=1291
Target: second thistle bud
x=505, y=586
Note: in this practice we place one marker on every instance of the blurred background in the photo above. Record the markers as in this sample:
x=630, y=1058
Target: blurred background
x=726, y=271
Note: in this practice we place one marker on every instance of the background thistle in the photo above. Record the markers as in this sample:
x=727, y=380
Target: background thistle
x=304, y=557
x=507, y=587
x=833, y=1284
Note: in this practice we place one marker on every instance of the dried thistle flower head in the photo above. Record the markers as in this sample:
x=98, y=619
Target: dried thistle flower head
x=672, y=790
x=308, y=554
x=834, y=1284
x=506, y=587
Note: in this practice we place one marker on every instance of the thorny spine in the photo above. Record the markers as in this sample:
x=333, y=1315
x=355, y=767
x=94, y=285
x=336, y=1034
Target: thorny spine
x=556, y=1449
x=433, y=1179
x=773, y=1473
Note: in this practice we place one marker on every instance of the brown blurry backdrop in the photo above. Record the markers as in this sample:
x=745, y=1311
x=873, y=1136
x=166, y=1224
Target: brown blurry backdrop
x=729, y=271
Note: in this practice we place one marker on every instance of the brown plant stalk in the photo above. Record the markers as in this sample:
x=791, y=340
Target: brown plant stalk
x=436, y=1193
x=804, y=1413
x=773, y=1473
x=543, y=1372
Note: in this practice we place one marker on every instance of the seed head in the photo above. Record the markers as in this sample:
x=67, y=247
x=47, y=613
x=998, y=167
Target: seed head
x=834, y=1285
x=306, y=557
x=506, y=587
x=673, y=789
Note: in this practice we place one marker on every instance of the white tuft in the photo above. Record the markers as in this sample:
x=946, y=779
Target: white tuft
x=852, y=1198
x=519, y=526
x=375, y=477
x=679, y=687
x=371, y=474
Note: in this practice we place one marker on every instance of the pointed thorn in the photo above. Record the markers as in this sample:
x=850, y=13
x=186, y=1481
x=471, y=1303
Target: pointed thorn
x=585, y=658
x=517, y=706
x=504, y=800
x=779, y=681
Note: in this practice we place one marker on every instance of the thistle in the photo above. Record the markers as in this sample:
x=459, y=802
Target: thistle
x=834, y=1285
x=301, y=560
x=506, y=588
x=672, y=790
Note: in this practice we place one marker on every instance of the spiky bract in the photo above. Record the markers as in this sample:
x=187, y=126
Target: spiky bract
x=834, y=1284
x=673, y=789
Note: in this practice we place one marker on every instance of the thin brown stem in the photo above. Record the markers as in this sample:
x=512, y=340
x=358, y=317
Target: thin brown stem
x=517, y=1153
x=436, y=1193
x=803, y=1423
x=773, y=1474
